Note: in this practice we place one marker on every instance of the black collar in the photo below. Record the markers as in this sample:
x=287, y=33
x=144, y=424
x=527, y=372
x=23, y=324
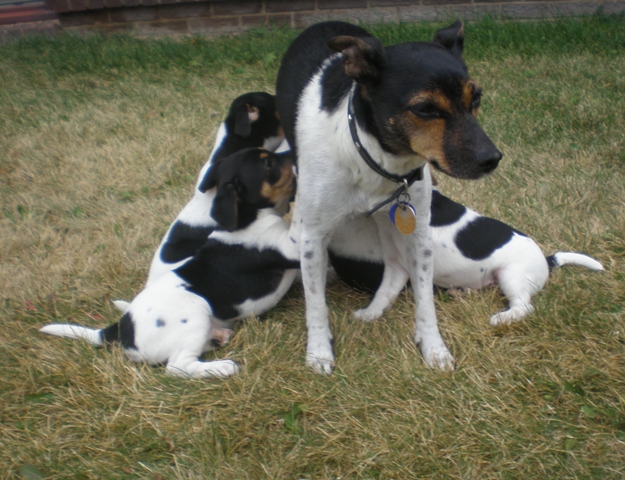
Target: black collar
x=404, y=181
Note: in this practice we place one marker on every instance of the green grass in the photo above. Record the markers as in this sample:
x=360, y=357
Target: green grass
x=102, y=139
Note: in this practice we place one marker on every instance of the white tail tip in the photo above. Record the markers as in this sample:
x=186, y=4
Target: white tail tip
x=73, y=331
x=121, y=305
x=579, y=259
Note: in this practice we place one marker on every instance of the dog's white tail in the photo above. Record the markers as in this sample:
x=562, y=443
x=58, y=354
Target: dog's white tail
x=570, y=258
x=121, y=305
x=74, y=331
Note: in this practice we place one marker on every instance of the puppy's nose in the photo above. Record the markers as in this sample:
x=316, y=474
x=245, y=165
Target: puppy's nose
x=488, y=159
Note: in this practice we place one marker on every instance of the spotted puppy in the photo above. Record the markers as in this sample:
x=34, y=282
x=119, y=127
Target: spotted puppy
x=340, y=93
x=251, y=122
x=244, y=268
x=470, y=252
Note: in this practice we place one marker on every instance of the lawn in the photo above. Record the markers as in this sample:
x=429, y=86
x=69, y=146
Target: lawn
x=101, y=141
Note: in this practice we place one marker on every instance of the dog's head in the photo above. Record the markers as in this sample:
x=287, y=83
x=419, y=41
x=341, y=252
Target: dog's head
x=247, y=181
x=254, y=115
x=421, y=100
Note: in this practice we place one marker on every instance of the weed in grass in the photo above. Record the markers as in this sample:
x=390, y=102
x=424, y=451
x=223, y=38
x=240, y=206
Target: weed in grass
x=102, y=138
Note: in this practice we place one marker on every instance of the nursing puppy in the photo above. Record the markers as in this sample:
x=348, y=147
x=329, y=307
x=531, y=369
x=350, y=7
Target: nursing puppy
x=410, y=104
x=244, y=268
x=251, y=122
x=470, y=252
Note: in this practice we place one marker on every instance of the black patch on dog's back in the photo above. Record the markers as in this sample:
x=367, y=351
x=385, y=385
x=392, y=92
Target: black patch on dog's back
x=360, y=275
x=334, y=85
x=481, y=237
x=444, y=210
x=227, y=275
x=301, y=61
x=183, y=241
x=122, y=332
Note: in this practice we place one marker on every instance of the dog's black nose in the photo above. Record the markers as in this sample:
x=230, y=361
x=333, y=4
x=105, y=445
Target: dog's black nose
x=488, y=159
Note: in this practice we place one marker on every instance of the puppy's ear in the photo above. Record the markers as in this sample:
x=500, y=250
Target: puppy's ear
x=210, y=179
x=225, y=211
x=452, y=38
x=242, y=123
x=364, y=57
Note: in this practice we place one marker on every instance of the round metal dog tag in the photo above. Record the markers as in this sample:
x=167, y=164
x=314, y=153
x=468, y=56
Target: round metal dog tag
x=405, y=218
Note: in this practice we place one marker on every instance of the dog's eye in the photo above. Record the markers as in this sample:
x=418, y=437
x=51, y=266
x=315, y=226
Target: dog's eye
x=426, y=111
x=268, y=162
x=475, y=103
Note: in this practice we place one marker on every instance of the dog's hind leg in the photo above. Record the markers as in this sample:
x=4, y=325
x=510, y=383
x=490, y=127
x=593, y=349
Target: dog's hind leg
x=187, y=366
x=393, y=281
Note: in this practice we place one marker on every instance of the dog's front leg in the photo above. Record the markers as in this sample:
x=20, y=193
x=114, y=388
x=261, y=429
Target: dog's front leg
x=421, y=268
x=314, y=260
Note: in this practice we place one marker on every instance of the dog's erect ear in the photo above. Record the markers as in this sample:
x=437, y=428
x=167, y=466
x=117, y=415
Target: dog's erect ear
x=225, y=210
x=364, y=57
x=210, y=179
x=452, y=38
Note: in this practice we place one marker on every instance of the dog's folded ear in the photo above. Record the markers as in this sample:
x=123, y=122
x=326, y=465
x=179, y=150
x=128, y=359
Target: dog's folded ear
x=225, y=210
x=242, y=121
x=210, y=179
x=452, y=38
x=364, y=57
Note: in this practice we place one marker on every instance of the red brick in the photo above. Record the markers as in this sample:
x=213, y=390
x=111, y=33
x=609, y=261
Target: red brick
x=336, y=4
x=273, y=6
x=132, y=3
x=186, y=10
x=79, y=19
x=446, y=2
x=237, y=7
x=214, y=26
x=59, y=6
x=172, y=26
x=78, y=5
x=139, y=14
x=369, y=16
x=149, y=3
x=167, y=2
x=26, y=16
x=95, y=4
x=113, y=3
x=529, y=10
x=391, y=3
x=266, y=20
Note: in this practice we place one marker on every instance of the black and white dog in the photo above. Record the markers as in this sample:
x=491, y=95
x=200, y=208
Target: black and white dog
x=364, y=120
x=470, y=252
x=251, y=122
x=244, y=268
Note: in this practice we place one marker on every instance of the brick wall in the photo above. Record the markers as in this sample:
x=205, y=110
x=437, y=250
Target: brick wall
x=166, y=17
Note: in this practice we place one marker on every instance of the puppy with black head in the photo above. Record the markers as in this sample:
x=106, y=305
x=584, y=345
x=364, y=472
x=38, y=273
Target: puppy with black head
x=244, y=268
x=251, y=122
x=364, y=120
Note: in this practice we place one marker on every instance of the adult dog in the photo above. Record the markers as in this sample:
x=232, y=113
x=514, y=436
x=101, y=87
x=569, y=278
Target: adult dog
x=244, y=268
x=364, y=119
x=470, y=252
x=252, y=121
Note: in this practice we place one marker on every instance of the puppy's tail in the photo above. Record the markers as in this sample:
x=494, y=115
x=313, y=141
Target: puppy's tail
x=570, y=258
x=92, y=335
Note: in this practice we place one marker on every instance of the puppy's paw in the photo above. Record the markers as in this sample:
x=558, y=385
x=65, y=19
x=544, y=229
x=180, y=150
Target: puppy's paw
x=367, y=314
x=436, y=355
x=512, y=315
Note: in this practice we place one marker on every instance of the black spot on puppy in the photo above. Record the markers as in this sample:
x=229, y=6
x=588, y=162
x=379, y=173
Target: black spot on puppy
x=160, y=323
x=310, y=254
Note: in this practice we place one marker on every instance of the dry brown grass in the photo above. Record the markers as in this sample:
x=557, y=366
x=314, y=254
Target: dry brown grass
x=93, y=169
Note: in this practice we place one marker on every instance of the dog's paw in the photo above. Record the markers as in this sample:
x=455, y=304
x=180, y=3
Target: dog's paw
x=320, y=365
x=437, y=356
x=512, y=315
x=367, y=314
